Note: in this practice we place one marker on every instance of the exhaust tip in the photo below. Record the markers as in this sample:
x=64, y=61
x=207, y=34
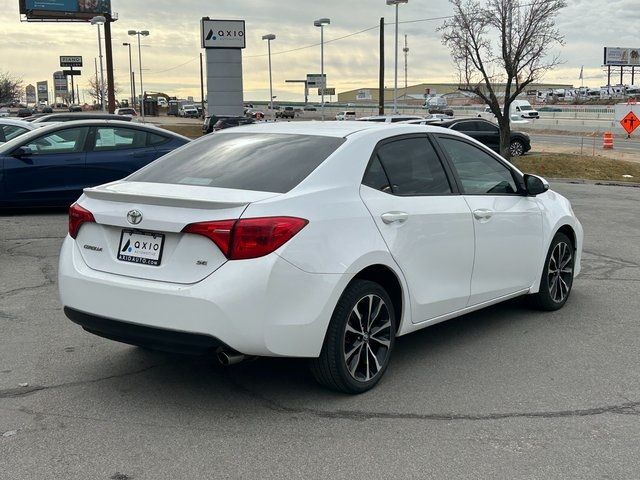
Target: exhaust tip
x=226, y=357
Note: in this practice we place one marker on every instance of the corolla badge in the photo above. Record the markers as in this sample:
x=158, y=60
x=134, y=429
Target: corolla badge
x=134, y=217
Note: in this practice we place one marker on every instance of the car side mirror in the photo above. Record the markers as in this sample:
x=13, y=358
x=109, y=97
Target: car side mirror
x=22, y=152
x=535, y=185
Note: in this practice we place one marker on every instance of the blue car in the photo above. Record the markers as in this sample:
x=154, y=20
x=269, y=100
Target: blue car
x=51, y=165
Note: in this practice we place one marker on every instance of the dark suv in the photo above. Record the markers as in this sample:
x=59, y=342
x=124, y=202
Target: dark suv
x=488, y=133
x=215, y=122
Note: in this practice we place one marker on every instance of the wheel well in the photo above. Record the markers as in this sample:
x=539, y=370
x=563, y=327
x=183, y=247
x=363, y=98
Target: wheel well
x=568, y=231
x=387, y=279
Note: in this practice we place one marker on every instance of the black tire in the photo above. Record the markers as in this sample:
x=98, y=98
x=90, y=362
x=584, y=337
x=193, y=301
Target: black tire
x=331, y=368
x=516, y=148
x=549, y=297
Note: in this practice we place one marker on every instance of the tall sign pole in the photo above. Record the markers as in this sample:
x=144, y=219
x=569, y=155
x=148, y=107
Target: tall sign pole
x=381, y=77
x=111, y=95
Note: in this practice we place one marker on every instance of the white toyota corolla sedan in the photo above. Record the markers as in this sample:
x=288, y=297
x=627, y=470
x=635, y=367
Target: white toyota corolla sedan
x=319, y=240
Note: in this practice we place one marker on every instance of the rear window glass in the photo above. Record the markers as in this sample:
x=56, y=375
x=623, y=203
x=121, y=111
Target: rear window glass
x=244, y=161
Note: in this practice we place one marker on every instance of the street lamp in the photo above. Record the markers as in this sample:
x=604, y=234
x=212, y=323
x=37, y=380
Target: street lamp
x=268, y=38
x=395, y=87
x=133, y=87
x=321, y=22
x=100, y=20
x=144, y=33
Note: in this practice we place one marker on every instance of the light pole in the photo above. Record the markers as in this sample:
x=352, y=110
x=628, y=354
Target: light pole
x=268, y=38
x=395, y=84
x=133, y=95
x=100, y=20
x=144, y=33
x=321, y=22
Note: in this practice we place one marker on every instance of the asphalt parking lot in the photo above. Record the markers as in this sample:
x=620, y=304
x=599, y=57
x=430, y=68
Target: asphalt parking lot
x=505, y=393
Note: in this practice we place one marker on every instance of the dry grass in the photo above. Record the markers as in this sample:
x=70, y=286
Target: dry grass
x=191, y=131
x=564, y=165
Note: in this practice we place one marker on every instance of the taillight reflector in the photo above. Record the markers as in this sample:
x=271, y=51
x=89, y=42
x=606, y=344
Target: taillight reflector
x=78, y=216
x=249, y=237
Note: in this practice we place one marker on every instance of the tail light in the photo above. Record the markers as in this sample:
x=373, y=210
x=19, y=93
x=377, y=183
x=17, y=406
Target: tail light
x=78, y=216
x=249, y=237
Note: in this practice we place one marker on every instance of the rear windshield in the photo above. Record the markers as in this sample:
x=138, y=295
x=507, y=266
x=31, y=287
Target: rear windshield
x=244, y=161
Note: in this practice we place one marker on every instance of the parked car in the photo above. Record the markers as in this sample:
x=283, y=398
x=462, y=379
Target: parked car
x=216, y=122
x=488, y=133
x=441, y=111
x=188, y=111
x=11, y=128
x=69, y=117
x=310, y=108
x=51, y=165
x=25, y=112
x=131, y=112
x=390, y=118
x=294, y=239
x=75, y=108
x=346, y=115
x=4, y=112
x=520, y=110
x=286, y=112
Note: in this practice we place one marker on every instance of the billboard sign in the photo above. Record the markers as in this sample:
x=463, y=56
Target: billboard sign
x=70, y=61
x=315, y=80
x=363, y=95
x=30, y=92
x=43, y=91
x=621, y=57
x=71, y=10
x=60, y=84
x=222, y=33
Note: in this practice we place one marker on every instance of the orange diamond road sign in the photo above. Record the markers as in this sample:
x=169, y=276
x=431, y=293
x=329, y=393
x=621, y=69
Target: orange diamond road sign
x=630, y=122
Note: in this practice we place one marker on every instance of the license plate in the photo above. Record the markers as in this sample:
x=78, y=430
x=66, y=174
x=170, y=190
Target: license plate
x=141, y=247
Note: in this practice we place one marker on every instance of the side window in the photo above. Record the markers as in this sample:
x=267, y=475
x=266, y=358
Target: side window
x=413, y=167
x=155, y=139
x=478, y=171
x=69, y=140
x=487, y=127
x=114, y=138
x=464, y=127
x=375, y=176
x=11, y=131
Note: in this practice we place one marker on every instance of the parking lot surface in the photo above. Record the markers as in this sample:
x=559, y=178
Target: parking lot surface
x=504, y=393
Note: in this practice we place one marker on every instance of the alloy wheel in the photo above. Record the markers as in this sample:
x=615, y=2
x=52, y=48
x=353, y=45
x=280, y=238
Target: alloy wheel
x=367, y=338
x=516, y=149
x=560, y=272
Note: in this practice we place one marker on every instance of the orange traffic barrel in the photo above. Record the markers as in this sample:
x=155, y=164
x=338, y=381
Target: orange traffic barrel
x=607, y=141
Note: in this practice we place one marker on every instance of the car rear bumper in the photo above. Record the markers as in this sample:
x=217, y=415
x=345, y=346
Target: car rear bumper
x=264, y=306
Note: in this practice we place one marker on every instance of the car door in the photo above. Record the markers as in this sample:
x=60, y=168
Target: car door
x=116, y=152
x=508, y=224
x=488, y=134
x=426, y=225
x=50, y=170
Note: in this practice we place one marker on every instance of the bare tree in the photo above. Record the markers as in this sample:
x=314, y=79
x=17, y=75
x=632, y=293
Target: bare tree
x=98, y=91
x=10, y=87
x=502, y=44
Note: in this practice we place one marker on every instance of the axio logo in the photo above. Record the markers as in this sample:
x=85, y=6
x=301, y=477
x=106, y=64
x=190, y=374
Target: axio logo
x=224, y=34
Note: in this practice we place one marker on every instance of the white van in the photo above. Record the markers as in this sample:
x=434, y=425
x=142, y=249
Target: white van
x=346, y=115
x=520, y=109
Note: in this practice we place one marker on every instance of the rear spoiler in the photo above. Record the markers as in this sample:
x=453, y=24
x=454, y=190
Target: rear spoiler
x=193, y=197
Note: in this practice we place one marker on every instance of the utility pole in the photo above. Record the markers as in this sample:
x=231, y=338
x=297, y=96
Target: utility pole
x=406, y=63
x=381, y=77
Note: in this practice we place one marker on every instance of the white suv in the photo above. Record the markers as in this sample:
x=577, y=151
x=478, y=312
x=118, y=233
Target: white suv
x=346, y=115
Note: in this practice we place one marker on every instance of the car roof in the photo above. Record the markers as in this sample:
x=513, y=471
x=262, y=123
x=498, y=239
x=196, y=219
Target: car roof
x=88, y=123
x=78, y=115
x=339, y=129
x=17, y=123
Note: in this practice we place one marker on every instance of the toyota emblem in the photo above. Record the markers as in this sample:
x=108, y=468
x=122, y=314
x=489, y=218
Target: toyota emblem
x=134, y=217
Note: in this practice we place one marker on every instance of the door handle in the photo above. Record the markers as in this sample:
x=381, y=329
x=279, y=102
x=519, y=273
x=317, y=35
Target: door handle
x=483, y=213
x=393, y=217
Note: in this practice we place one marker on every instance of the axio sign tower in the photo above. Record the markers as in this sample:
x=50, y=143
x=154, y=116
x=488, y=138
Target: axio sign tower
x=223, y=41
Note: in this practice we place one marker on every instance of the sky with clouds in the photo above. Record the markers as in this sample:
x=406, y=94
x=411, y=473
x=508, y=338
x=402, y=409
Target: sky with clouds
x=170, y=53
